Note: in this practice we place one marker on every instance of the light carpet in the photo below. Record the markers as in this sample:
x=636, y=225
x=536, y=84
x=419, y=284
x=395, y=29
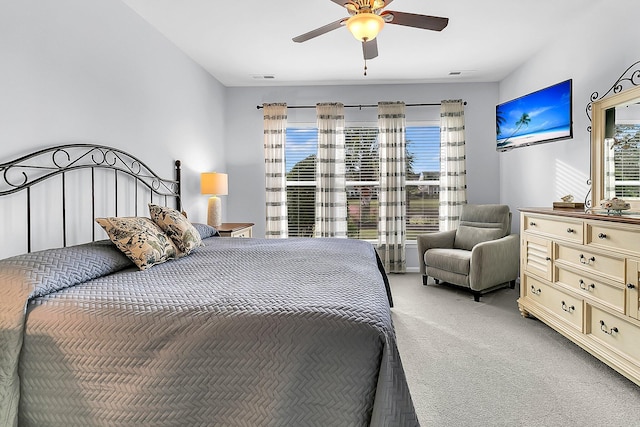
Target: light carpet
x=482, y=364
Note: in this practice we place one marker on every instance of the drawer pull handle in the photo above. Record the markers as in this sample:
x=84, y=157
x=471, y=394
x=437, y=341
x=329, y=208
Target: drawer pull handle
x=586, y=287
x=602, y=236
x=586, y=261
x=566, y=308
x=570, y=230
x=534, y=291
x=533, y=224
x=630, y=286
x=604, y=329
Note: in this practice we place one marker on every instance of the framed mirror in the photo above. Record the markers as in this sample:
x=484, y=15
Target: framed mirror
x=615, y=149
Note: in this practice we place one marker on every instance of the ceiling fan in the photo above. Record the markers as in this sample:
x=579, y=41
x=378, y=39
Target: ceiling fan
x=367, y=19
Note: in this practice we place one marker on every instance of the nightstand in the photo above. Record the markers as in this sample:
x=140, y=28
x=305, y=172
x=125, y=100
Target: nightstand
x=236, y=229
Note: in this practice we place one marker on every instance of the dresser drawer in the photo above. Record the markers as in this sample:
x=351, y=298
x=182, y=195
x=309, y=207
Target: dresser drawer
x=615, y=332
x=611, y=267
x=246, y=233
x=609, y=237
x=607, y=294
x=559, y=228
x=564, y=306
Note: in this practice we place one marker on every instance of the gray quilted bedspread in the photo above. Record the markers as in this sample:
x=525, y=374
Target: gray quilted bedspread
x=242, y=332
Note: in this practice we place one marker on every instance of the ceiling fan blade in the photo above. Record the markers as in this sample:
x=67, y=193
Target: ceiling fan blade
x=370, y=49
x=425, y=22
x=320, y=31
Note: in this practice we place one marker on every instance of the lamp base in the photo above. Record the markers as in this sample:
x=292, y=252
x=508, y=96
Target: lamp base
x=214, y=213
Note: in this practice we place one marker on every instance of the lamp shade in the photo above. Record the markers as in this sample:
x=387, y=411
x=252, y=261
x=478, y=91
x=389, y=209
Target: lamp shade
x=365, y=26
x=214, y=183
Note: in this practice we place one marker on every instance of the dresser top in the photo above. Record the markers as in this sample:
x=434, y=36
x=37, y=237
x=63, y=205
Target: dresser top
x=600, y=215
x=229, y=227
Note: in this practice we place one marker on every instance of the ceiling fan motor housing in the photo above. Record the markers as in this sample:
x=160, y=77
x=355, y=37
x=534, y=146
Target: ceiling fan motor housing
x=364, y=6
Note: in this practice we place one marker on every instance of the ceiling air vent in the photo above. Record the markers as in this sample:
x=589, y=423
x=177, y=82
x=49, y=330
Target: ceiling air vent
x=263, y=76
x=465, y=73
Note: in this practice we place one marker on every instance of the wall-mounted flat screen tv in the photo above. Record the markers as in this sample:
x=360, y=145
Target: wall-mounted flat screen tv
x=541, y=116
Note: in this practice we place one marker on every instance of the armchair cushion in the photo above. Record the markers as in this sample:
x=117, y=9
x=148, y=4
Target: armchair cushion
x=467, y=237
x=453, y=260
x=480, y=223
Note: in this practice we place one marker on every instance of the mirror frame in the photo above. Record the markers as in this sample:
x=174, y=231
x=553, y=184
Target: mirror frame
x=597, y=141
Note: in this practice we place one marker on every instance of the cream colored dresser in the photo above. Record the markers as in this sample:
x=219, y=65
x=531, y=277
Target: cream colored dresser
x=580, y=274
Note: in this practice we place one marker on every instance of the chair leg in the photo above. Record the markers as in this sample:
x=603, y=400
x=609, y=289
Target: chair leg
x=425, y=278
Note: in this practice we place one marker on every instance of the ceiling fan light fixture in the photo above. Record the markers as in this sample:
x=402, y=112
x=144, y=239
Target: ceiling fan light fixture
x=365, y=26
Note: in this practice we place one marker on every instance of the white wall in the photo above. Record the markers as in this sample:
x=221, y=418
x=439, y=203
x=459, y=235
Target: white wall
x=594, y=51
x=77, y=71
x=245, y=156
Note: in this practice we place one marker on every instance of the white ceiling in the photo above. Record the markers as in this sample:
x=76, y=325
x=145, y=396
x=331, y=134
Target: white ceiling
x=239, y=40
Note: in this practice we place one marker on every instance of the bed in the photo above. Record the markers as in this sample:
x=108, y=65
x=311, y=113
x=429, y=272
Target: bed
x=238, y=332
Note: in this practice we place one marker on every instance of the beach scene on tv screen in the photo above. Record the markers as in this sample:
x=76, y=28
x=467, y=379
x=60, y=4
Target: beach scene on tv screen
x=538, y=117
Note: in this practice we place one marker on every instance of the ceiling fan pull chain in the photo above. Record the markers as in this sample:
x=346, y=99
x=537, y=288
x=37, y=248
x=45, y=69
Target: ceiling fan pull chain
x=365, y=67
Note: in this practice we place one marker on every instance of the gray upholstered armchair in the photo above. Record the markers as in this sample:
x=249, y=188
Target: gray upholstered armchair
x=480, y=255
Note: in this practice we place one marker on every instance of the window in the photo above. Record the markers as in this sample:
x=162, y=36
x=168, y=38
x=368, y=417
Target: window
x=362, y=166
x=361, y=162
x=423, y=179
x=300, y=162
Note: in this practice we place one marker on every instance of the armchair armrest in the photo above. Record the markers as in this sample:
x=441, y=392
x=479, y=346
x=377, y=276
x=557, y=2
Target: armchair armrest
x=440, y=239
x=494, y=262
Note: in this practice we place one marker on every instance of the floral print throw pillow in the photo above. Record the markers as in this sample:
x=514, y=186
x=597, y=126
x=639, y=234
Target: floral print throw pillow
x=140, y=239
x=177, y=227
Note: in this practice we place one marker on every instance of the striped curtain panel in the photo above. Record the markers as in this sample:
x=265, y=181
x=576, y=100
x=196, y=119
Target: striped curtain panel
x=392, y=196
x=453, y=164
x=331, y=193
x=275, y=130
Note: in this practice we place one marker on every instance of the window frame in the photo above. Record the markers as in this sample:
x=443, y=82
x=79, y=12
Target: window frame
x=413, y=123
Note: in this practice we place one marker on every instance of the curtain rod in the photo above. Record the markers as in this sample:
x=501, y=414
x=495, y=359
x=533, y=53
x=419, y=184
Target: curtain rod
x=362, y=106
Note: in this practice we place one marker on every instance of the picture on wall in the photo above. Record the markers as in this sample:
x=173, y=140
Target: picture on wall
x=541, y=116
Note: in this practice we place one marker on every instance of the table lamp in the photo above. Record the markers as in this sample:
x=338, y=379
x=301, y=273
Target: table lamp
x=215, y=184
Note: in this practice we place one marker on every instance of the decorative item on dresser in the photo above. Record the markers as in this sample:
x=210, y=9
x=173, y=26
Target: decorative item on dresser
x=236, y=229
x=580, y=275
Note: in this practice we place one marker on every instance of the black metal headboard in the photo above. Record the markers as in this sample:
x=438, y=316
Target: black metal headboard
x=25, y=172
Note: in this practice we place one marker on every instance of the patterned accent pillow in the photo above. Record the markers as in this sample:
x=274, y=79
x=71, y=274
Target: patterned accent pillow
x=177, y=227
x=140, y=239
